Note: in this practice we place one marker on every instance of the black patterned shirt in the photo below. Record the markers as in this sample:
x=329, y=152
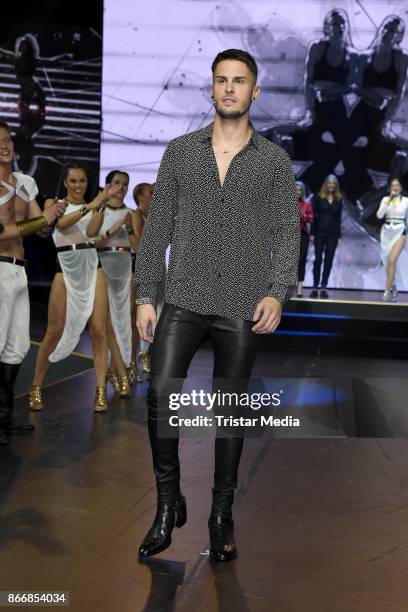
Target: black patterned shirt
x=231, y=245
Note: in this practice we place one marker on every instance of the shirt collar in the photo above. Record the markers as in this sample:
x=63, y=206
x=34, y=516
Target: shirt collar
x=206, y=134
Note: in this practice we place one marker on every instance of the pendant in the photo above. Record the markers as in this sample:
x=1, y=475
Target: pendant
x=226, y=151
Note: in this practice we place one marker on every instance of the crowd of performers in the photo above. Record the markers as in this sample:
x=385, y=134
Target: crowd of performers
x=95, y=243
x=94, y=285
x=320, y=224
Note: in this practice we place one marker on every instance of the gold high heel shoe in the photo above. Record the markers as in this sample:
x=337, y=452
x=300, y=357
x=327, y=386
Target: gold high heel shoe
x=113, y=379
x=124, y=389
x=132, y=373
x=100, y=404
x=35, y=401
x=145, y=359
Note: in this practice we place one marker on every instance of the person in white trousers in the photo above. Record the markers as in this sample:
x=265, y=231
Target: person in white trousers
x=20, y=216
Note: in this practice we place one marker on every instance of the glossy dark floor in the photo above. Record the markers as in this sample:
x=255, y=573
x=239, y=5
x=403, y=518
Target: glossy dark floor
x=321, y=524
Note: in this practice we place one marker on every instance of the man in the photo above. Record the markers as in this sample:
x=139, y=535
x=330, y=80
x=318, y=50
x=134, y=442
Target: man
x=20, y=216
x=225, y=198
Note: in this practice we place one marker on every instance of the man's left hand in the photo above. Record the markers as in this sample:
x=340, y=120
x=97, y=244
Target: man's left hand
x=267, y=314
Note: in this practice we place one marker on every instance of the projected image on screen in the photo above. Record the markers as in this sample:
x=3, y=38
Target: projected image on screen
x=333, y=95
x=50, y=96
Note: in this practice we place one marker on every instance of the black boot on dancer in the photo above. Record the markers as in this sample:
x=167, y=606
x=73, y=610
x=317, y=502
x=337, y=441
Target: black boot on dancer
x=8, y=423
x=4, y=406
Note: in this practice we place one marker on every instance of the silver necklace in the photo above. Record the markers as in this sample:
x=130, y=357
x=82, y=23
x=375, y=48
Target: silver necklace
x=236, y=146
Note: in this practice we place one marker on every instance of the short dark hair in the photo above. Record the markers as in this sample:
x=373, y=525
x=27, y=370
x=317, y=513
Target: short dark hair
x=138, y=191
x=73, y=166
x=109, y=177
x=5, y=126
x=238, y=55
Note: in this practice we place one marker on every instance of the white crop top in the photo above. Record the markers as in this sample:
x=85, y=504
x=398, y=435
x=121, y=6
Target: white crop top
x=397, y=211
x=75, y=234
x=111, y=216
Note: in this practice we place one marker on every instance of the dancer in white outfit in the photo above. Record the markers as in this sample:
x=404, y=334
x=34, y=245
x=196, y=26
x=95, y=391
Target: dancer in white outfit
x=142, y=195
x=115, y=256
x=394, y=210
x=78, y=291
x=19, y=213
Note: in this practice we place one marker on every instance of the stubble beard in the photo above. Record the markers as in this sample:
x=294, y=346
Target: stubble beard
x=232, y=114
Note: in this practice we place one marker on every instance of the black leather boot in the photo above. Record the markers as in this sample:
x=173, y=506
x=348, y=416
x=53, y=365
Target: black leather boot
x=221, y=526
x=169, y=514
x=171, y=505
x=4, y=405
x=9, y=376
x=222, y=542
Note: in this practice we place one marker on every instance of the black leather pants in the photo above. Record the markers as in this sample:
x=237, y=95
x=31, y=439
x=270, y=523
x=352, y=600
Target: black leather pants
x=179, y=333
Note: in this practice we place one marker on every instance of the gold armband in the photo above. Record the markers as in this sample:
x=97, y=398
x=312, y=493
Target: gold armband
x=31, y=226
x=83, y=210
x=101, y=208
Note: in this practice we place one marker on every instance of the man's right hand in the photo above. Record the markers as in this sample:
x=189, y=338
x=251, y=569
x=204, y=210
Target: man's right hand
x=145, y=317
x=54, y=212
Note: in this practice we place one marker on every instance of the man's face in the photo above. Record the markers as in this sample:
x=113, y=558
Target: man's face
x=6, y=147
x=233, y=88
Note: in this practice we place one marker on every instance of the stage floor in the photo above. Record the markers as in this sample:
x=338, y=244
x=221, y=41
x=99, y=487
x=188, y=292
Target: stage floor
x=320, y=523
x=354, y=296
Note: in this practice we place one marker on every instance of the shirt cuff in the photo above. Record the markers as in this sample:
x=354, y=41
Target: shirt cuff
x=281, y=293
x=146, y=293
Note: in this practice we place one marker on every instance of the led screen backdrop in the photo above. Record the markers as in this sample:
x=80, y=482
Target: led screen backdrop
x=156, y=78
x=50, y=94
